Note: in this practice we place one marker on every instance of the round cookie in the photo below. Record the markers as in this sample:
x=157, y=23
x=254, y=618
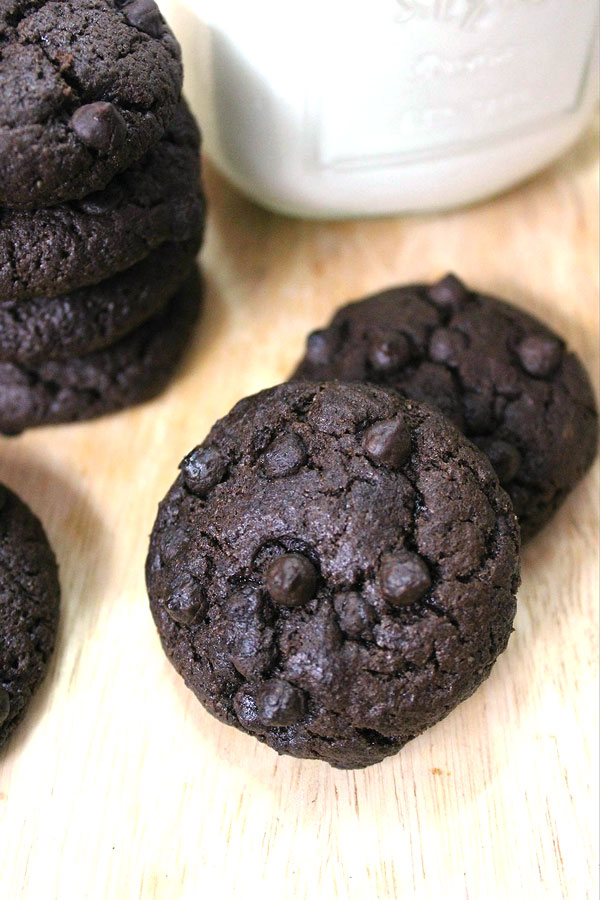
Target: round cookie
x=333, y=570
x=504, y=379
x=91, y=318
x=29, y=599
x=131, y=371
x=53, y=251
x=88, y=86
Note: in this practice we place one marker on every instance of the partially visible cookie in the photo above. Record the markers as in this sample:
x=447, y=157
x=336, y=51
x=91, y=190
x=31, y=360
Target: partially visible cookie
x=29, y=599
x=93, y=317
x=131, y=371
x=159, y=199
x=505, y=379
x=333, y=570
x=88, y=87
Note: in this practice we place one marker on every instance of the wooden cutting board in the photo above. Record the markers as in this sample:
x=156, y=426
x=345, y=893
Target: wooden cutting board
x=119, y=785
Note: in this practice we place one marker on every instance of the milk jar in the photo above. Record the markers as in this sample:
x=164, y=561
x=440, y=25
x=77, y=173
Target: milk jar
x=337, y=109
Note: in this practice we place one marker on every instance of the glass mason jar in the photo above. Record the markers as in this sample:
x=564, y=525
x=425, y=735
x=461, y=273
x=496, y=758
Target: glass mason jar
x=336, y=109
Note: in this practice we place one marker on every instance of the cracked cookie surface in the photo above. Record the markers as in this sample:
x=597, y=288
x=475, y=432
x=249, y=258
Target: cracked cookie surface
x=506, y=380
x=29, y=600
x=87, y=87
x=333, y=570
x=159, y=199
x=132, y=370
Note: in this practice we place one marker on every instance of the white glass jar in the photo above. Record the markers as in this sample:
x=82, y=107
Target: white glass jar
x=338, y=108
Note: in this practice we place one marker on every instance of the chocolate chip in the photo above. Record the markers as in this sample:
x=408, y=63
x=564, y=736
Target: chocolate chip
x=244, y=603
x=446, y=345
x=539, y=356
x=403, y=578
x=100, y=126
x=252, y=649
x=355, y=615
x=249, y=603
x=387, y=355
x=203, y=469
x=285, y=456
x=478, y=411
x=319, y=347
x=504, y=457
x=291, y=579
x=186, y=603
x=4, y=705
x=448, y=292
x=101, y=202
x=388, y=442
x=279, y=704
x=144, y=15
x=172, y=542
x=244, y=705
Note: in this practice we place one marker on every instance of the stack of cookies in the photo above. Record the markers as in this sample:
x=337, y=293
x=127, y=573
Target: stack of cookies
x=101, y=208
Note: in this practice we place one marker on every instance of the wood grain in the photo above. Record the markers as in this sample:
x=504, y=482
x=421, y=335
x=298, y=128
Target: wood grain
x=119, y=785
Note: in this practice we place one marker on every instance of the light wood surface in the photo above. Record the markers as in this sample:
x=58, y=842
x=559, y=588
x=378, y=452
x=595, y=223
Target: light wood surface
x=119, y=785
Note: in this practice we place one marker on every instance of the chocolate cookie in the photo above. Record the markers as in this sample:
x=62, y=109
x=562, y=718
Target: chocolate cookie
x=504, y=379
x=91, y=318
x=54, y=251
x=333, y=570
x=86, y=88
x=29, y=598
x=133, y=370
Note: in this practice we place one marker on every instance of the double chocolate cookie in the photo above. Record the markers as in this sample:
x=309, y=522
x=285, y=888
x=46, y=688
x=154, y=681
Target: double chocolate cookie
x=29, y=599
x=88, y=86
x=159, y=199
x=505, y=379
x=334, y=570
x=127, y=372
x=91, y=318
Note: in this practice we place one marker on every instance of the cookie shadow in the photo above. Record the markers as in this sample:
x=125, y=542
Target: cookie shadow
x=212, y=321
x=82, y=547
x=207, y=328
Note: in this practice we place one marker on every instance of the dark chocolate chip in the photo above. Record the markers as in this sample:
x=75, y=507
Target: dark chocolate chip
x=279, y=704
x=319, y=347
x=250, y=603
x=478, y=411
x=100, y=126
x=504, y=457
x=144, y=15
x=387, y=355
x=101, y=202
x=172, y=542
x=388, y=442
x=291, y=579
x=355, y=615
x=446, y=345
x=403, y=578
x=244, y=705
x=244, y=603
x=285, y=456
x=448, y=292
x=203, y=469
x=539, y=356
x=186, y=603
x=252, y=649
x=4, y=705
